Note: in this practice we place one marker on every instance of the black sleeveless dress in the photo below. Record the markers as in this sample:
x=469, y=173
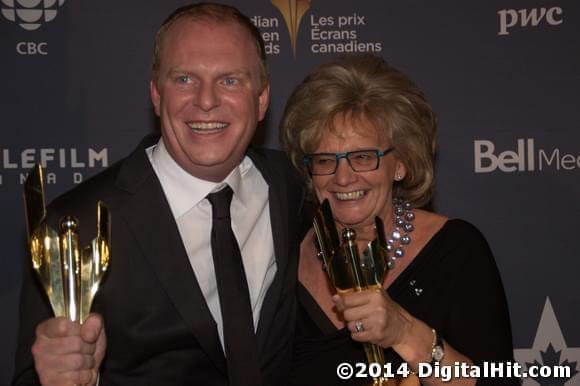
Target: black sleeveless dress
x=453, y=285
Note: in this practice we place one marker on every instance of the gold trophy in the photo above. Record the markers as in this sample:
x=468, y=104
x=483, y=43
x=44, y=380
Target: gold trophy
x=348, y=270
x=70, y=277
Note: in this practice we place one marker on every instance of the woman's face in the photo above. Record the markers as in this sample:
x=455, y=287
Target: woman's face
x=357, y=197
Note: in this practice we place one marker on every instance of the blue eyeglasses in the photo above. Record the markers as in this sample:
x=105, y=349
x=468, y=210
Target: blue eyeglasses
x=324, y=164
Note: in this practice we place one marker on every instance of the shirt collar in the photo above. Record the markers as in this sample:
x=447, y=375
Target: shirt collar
x=184, y=191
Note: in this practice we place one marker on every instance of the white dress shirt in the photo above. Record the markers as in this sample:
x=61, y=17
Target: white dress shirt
x=250, y=213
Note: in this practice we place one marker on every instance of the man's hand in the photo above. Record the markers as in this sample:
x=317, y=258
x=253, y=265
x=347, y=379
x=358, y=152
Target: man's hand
x=67, y=353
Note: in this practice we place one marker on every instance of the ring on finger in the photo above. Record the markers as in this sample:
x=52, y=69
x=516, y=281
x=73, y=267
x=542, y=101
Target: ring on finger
x=359, y=326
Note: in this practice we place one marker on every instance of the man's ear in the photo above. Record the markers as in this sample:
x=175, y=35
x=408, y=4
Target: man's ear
x=155, y=96
x=263, y=101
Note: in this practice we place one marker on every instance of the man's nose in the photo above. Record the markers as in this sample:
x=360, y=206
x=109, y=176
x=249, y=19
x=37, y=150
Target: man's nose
x=207, y=97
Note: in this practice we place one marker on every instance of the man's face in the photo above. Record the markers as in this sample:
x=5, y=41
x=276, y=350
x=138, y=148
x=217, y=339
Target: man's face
x=208, y=96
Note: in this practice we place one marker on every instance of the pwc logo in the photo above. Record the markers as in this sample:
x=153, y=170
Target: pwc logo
x=30, y=14
x=524, y=158
x=526, y=18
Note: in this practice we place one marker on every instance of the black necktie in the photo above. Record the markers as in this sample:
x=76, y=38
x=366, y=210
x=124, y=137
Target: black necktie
x=238, y=323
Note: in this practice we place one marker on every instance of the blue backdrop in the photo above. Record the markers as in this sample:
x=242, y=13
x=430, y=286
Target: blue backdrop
x=502, y=76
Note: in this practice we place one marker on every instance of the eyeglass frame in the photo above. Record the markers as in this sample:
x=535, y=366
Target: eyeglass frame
x=307, y=160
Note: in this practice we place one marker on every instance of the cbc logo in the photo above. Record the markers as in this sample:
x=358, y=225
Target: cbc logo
x=31, y=48
x=30, y=14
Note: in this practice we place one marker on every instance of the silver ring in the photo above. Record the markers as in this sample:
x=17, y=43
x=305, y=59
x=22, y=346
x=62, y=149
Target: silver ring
x=359, y=326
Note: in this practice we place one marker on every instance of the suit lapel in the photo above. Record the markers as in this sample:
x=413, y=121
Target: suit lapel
x=157, y=234
x=279, y=223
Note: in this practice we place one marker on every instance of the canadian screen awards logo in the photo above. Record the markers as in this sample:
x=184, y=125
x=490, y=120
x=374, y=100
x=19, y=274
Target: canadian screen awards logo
x=30, y=14
x=292, y=11
x=325, y=33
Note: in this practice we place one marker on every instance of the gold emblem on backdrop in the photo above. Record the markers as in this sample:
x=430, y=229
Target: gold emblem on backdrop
x=292, y=11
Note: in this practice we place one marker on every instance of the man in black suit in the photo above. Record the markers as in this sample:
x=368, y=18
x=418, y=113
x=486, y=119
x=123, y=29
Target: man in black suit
x=159, y=314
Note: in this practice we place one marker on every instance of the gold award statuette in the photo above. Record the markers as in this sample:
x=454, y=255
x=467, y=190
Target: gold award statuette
x=350, y=271
x=70, y=276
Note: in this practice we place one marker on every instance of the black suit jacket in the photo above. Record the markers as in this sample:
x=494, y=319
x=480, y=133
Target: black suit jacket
x=159, y=328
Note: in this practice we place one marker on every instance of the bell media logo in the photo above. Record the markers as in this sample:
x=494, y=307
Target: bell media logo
x=524, y=156
x=293, y=11
x=30, y=14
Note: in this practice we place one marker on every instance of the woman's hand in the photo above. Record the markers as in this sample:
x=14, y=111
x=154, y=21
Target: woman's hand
x=385, y=323
x=372, y=316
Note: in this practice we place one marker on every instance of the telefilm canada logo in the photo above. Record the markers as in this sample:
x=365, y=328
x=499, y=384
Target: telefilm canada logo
x=30, y=14
x=63, y=165
x=522, y=156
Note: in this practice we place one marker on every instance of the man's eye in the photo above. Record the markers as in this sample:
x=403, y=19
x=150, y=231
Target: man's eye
x=182, y=79
x=230, y=81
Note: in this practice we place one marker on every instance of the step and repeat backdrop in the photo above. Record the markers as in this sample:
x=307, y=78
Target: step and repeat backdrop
x=503, y=76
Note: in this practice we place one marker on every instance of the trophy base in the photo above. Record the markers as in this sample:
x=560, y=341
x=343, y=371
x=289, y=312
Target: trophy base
x=411, y=380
